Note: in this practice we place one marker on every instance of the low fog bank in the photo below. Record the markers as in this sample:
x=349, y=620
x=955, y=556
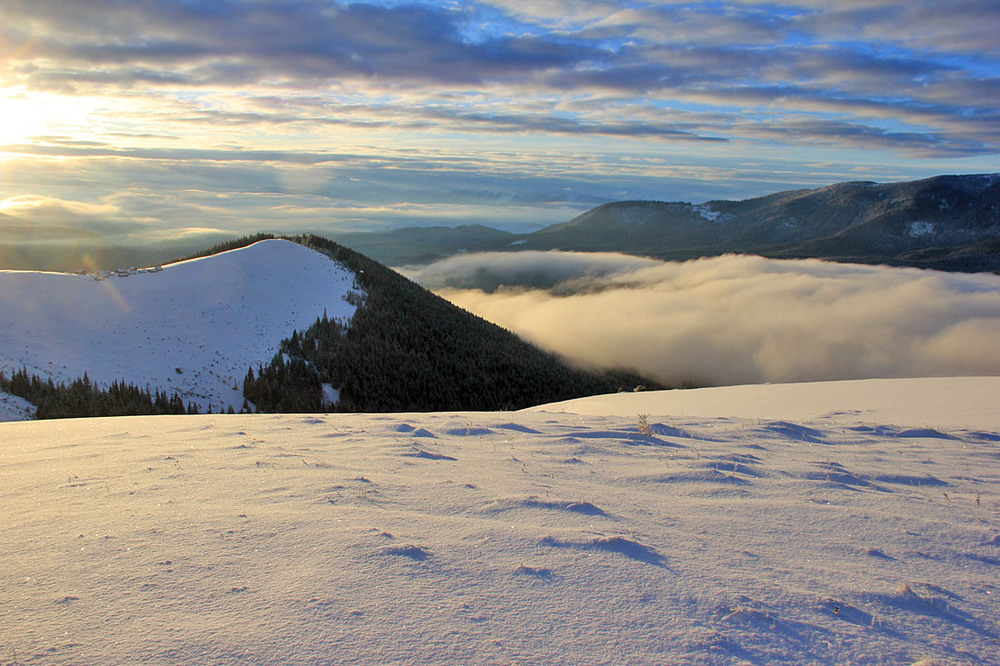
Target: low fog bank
x=734, y=319
x=561, y=273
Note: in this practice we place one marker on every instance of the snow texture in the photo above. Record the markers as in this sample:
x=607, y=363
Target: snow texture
x=192, y=328
x=920, y=229
x=816, y=523
x=14, y=408
x=705, y=211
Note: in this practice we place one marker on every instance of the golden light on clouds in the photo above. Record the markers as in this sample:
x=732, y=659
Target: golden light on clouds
x=333, y=116
x=32, y=115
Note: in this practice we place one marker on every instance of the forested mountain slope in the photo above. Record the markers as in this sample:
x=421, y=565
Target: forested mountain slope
x=407, y=349
x=264, y=324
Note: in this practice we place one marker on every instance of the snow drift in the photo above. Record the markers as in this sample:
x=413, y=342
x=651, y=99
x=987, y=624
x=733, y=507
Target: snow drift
x=766, y=524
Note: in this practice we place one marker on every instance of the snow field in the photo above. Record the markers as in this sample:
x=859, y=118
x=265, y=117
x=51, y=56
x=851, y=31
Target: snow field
x=194, y=328
x=538, y=536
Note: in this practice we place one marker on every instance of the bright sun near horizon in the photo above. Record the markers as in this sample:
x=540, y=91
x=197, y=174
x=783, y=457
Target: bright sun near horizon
x=27, y=115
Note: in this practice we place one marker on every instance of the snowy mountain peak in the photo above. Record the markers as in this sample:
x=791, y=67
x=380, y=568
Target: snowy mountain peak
x=193, y=328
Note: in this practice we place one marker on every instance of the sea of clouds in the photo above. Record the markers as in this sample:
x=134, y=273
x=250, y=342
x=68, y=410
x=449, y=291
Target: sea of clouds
x=733, y=319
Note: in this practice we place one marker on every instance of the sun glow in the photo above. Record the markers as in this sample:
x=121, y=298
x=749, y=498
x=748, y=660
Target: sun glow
x=25, y=114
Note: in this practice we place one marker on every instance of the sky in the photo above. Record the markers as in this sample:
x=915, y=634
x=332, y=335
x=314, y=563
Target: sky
x=155, y=121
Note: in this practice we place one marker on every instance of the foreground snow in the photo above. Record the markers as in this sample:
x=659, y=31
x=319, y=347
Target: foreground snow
x=954, y=402
x=193, y=328
x=733, y=532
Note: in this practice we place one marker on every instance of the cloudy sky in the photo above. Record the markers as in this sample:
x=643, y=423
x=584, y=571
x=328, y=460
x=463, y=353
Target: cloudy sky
x=151, y=120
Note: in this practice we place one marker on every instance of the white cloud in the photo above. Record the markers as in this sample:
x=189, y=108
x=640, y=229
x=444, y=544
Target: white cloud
x=527, y=269
x=735, y=319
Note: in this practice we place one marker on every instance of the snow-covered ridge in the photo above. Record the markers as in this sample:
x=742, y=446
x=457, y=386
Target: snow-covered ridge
x=194, y=327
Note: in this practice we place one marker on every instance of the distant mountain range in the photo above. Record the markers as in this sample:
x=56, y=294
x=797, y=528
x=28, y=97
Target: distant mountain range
x=947, y=223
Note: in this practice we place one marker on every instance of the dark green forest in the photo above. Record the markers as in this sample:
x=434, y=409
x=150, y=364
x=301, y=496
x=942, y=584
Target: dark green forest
x=81, y=398
x=407, y=349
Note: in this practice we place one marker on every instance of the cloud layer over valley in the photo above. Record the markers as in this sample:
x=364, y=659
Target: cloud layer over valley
x=734, y=319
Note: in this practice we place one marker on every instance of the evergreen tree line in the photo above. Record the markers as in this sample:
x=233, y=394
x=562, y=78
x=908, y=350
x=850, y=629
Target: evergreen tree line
x=82, y=398
x=407, y=349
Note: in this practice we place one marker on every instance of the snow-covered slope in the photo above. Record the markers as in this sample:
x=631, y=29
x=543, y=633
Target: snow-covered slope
x=194, y=327
x=954, y=402
x=869, y=534
x=14, y=408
